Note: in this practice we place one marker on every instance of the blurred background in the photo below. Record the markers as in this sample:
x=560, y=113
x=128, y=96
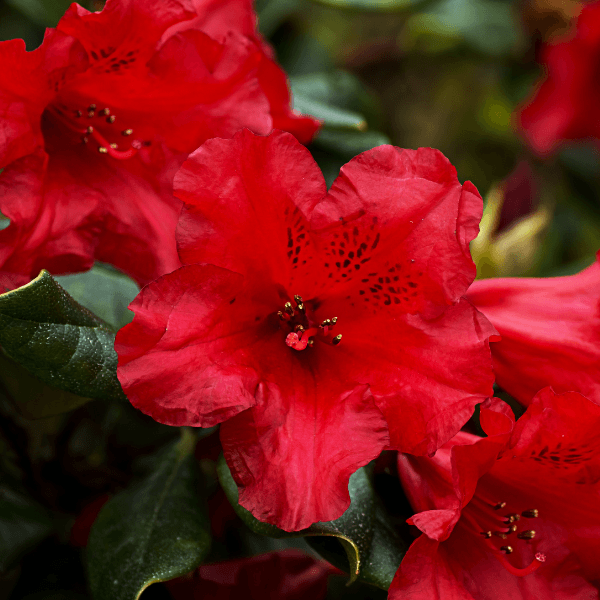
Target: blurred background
x=449, y=74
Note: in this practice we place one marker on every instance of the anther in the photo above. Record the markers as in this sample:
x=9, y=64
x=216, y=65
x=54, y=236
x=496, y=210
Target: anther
x=500, y=534
x=511, y=518
x=288, y=309
x=85, y=139
x=326, y=323
x=114, y=146
x=486, y=534
x=337, y=339
x=90, y=129
x=103, y=150
x=310, y=342
x=91, y=114
x=526, y=535
x=500, y=505
x=298, y=299
x=532, y=513
x=333, y=321
x=127, y=132
x=92, y=107
x=298, y=328
x=78, y=113
x=105, y=112
x=512, y=528
x=111, y=119
x=506, y=549
x=283, y=316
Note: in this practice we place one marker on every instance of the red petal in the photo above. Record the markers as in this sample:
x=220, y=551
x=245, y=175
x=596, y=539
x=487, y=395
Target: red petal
x=550, y=332
x=430, y=374
x=418, y=215
x=284, y=575
x=183, y=358
x=425, y=574
x=250, y=177
x=290, y=454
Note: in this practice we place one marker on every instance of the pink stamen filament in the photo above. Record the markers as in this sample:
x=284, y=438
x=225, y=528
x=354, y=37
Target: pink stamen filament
x=118, y=154
x=540, y=558
x=104, y=143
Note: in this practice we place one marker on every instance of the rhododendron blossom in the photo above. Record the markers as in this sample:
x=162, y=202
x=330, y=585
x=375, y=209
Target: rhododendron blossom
x=511, y=516
x=318, y=327
x=97, y=120
x=550, y=330
x=565, y=105
x=285, y=575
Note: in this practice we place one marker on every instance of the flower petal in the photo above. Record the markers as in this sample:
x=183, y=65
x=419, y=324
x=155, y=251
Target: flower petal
x=293, y=453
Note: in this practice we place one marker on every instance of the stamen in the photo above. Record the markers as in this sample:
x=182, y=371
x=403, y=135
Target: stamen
x=111, y=119
x=114, y=146
x=507, y=549
x=85, y=139
x=500, y=505
x=536, y=563
x=91, y=114
x=90, y=129
x=486, y=534
x=92, y=107
x=532, y=513
x=103, y=150
x=526, y=535
x=78, y=114
x=288, y=309
x=512, y=518
x=127, y=132
x=283, y=316
x=337, y=339
x=104, y=112
x=500, y=534
x=333, y=321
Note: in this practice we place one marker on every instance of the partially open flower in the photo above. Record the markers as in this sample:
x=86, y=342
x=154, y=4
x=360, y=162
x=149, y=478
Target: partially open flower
x=550, y=330
x=512, y=516
x=318, y=327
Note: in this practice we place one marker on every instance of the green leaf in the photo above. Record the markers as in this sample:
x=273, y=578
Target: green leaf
x=487, y=25
x=155, y=531
x=333, y=116
x=371, y=5
x=372, y=547
x=349, y=143
x=58, y=340
x=104, y=291
x=23, y=524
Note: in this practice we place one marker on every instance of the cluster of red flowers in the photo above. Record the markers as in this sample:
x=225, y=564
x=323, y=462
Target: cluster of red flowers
x=318, y=327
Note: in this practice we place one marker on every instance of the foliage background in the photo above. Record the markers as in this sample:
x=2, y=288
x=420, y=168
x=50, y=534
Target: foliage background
x=442, y=73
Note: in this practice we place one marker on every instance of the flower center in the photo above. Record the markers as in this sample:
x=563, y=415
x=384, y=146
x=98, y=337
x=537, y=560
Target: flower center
x=304, y=330
x=505, y=531
x=96, y=127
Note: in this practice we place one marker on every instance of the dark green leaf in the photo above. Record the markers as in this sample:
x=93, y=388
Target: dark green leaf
x=23, y=524
x=349, y=143
x=58, y=340
x=372, y=547
x=104, y=291
x=371, y=5
x=155, y=531
x=43, y=12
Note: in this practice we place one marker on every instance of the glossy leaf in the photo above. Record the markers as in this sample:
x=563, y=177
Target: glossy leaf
x=373, y=550
x=155, y=531
x=103, y=290
x=349, y=143
x=23, y=524
x=371, y=5
x=58, y=340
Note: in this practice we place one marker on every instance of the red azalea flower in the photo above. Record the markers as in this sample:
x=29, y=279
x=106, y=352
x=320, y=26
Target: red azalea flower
x=218, y=17
x=285, y=575
x=97, y=120
x=550, y=330
x=564, y=107
x=511, y=516
x=277, y=271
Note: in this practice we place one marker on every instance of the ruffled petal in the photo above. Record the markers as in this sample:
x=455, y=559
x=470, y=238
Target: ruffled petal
x=409, y=216
x=290, y=454
x=184, y=358
x=550, y=330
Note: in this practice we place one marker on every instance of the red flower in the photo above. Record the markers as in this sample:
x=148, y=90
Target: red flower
x=285, y=575
x=511, y=516
x=550, y=332
x=564, y=107
x=276, y=272
x=98, y=119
